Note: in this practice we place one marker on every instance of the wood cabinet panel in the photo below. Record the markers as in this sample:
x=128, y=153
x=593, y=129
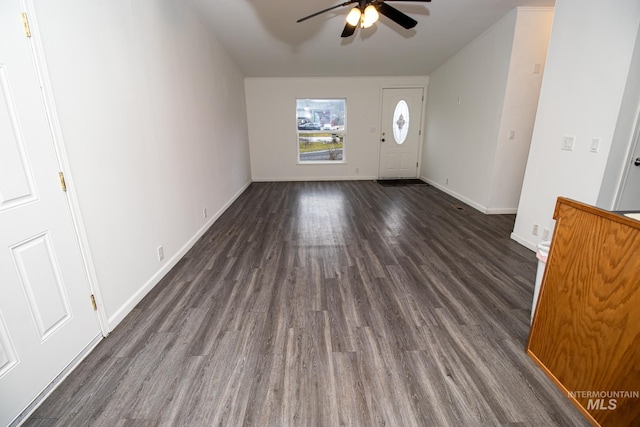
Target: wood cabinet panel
x=586, y=329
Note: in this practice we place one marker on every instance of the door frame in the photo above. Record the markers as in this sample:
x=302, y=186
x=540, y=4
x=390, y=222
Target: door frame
x=633, y=146
x=42, y=73
x=422, y=132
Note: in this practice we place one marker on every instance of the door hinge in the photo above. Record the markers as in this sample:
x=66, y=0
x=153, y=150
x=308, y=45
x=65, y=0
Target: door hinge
x=416, y=164
x=25, y=23
x=93, y=303
x=63, y=183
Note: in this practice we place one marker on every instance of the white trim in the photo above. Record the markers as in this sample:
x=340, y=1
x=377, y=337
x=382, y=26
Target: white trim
x=622, y=178
x=501, y=211
x=63, y=162
x=478, y=206
x=545, y=9
x=460, y=197
x=524, y=242
x=321, y=162
x=130, y=304
x=37, y=401
x=314, y=178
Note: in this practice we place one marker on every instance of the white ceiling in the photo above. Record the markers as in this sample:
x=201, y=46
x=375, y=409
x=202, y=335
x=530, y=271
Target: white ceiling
x=264, y=39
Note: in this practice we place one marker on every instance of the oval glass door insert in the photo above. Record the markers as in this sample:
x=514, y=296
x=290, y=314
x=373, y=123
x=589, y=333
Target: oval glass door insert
x=401, y=122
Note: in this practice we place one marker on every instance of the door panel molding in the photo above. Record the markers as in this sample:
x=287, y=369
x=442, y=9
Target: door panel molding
x=8, y=357
x=17, y=185
x=42, y=286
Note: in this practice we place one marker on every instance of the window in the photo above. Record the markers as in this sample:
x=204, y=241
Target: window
x=321, y=130
x=401, y=122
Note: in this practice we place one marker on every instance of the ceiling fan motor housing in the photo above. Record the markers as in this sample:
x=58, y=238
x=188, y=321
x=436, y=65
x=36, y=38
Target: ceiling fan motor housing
x=367, y=12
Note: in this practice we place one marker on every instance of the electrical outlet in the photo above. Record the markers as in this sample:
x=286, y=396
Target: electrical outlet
x=204, y=213
x=512, y=134
x=546, y=234
x=160, y=253
x=535, y=230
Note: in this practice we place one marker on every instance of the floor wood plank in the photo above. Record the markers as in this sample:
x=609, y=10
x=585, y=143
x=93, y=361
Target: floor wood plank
x=327, y=303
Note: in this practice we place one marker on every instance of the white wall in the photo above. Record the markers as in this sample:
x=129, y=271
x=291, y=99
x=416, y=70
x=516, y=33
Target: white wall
x=271, y=114
x=530, y=42
x=460, y=140
x=475, y=98
x=588, y=62
x=153, y=117
x=623, y=139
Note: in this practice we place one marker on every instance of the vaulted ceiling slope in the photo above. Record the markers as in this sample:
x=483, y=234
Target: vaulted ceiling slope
x=262, y=36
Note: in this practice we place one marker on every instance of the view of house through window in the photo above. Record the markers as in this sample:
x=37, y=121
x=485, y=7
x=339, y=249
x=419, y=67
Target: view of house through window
x=321, y=130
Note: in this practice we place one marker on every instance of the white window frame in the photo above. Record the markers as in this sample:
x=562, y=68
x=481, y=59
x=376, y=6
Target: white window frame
x=321, y=128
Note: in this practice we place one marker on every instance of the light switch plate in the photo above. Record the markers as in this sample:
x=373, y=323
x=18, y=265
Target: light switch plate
x=567, y=143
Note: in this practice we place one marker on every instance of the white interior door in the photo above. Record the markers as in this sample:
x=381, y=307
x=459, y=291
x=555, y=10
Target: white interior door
x=629, y=198
x=400, y=132
x=46, y=318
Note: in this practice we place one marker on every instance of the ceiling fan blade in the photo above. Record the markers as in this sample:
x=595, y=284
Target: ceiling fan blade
x=406, y=1
x=348, y=30
x=396, y=16
x=327, y=10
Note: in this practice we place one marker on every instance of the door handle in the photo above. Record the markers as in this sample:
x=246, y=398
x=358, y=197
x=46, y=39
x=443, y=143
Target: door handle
x=637, y=161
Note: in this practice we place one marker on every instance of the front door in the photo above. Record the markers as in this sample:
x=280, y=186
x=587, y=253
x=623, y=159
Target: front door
x=400, y=133
x=46, y=318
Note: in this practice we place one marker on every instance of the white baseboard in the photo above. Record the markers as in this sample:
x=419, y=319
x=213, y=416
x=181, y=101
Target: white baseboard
x=129, y=305
x=524, y=242
x=314, y=178
x=475, y=205
x=452, y=193
x=502, y=211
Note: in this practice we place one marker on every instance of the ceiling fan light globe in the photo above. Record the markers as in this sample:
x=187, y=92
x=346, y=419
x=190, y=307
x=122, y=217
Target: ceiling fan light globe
x=370, y=16
x=353, y=18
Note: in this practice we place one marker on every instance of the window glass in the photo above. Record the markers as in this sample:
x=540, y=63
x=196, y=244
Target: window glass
x=401, y=122
x=321, y=126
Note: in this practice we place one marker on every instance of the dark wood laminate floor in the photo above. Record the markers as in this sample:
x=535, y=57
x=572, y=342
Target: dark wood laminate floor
x=327, y=304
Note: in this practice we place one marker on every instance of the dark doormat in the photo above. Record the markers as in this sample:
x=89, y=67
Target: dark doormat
x=400, y=182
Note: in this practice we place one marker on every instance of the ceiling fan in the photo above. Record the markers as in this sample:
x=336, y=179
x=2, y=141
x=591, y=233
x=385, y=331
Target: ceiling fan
x=367, y=12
